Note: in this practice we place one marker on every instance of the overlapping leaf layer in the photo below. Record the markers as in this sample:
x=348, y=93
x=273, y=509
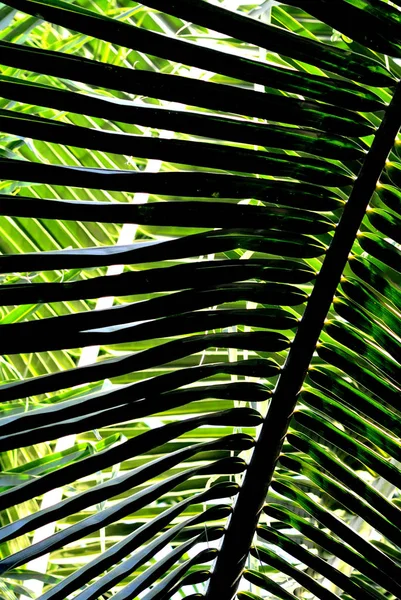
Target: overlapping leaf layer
x=200, y=299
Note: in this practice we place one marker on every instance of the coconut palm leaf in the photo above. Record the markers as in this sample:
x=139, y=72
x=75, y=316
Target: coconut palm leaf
x=200, y=299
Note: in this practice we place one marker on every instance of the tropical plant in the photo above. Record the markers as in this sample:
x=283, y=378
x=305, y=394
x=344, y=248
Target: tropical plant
x=200, y=299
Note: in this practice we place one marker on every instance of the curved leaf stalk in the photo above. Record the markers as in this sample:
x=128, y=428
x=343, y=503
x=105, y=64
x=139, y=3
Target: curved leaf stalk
x=239, y=535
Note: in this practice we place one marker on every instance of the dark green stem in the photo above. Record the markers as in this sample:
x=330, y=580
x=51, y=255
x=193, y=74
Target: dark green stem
x=238, y=538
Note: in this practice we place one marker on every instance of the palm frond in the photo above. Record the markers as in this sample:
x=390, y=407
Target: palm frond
x=200, y=274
